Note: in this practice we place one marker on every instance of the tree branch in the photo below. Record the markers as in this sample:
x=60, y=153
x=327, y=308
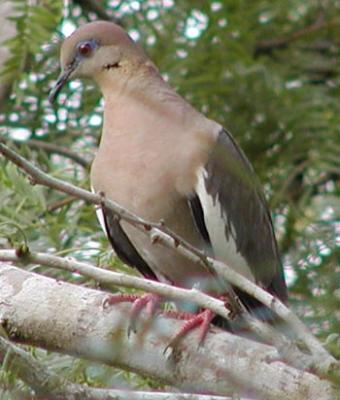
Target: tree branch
x=322, y=362
x=8, y=31
x=70, y=319
x=95, y=7
x=29, y=370
x=60, y=203
x=47, y=383
x=112, y=278
x=50, y=148
x=289, y=352
x=267, y=46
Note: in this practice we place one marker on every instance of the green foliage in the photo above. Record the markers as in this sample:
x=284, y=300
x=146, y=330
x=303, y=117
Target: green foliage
x=34, y=24
x=267, y=70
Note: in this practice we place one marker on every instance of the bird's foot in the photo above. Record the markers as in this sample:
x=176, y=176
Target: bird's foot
x=119, y=298
x=201, y=320
x=148, y=301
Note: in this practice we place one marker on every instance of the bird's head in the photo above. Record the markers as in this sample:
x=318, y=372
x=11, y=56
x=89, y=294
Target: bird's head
x=96, y=49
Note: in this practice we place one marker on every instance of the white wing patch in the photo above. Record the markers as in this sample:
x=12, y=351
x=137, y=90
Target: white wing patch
x=223, y=248
x=100, y=215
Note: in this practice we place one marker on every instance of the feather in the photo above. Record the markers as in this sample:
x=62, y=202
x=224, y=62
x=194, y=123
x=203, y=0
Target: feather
x=235, y=218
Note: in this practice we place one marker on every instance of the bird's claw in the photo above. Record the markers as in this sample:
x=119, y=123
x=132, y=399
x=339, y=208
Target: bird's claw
x=149, y=301
x=201, y=320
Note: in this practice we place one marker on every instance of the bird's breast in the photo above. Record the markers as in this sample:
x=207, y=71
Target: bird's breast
x=147, y=172
x=144, y=187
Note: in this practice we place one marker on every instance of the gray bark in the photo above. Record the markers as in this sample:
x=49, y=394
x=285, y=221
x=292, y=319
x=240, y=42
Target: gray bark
x=71, y=319
x=7, y=30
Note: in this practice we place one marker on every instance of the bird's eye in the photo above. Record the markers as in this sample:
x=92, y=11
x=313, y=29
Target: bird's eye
x=85, y=49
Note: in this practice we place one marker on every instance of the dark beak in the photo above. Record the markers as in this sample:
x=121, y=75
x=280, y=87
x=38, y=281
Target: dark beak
x=63, y=78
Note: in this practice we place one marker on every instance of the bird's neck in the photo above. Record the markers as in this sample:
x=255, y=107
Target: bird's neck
x=142, y=85
x=140, y=102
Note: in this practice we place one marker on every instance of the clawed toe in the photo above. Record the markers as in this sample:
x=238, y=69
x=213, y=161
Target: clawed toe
x=119, y=298
x=150, y=301
x=201, y=321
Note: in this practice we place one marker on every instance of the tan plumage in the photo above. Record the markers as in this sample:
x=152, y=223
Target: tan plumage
x=155, y=158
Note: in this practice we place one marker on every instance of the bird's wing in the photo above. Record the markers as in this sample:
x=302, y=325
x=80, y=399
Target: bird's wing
x=232, y=215
x=122, y=245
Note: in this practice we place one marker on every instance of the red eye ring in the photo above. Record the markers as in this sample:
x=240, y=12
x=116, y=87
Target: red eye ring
x=85, y=49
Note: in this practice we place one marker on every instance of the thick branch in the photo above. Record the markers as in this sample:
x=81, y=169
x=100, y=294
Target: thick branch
x=47, y=383
x=323, y=361
x=290, y=353
x=70, y=319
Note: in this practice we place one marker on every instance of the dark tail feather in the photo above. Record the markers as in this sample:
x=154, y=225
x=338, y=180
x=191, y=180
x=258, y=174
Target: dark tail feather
x=255, y=307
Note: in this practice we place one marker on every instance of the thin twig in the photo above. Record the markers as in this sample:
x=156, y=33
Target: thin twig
x=267, y=46
x=101, y=12
x=323, y=361
x=50, y=148
x=60, y=203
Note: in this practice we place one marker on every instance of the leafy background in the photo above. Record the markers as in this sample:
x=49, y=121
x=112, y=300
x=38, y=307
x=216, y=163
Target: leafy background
x=266, y=70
